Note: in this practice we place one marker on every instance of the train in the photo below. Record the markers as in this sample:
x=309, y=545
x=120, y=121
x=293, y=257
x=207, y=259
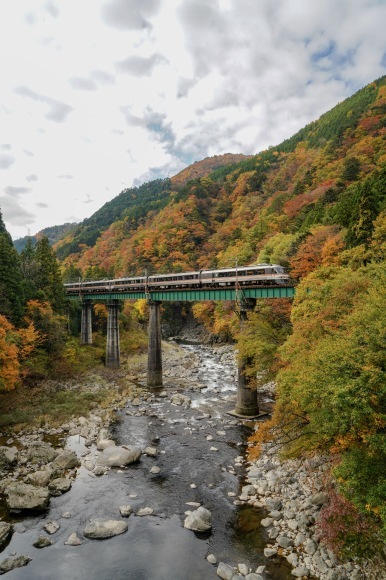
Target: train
x=242, y=276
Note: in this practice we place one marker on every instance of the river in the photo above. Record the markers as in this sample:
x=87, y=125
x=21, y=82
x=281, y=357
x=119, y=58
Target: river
x=201, y=455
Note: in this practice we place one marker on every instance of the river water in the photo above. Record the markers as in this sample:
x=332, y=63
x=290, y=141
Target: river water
x=158, y=547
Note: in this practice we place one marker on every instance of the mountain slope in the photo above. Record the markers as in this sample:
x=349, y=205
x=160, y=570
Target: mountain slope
x=53, y=233
x=261, y=208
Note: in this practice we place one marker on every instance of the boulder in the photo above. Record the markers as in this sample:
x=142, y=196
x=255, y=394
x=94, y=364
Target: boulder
x=118, y=456
x=150, y=451
x=22, y=496
x=319, y=499
x=269, y=552
x=8, y=456
x=13, y=562
x=199, y=520
x=125, y=510
x=5, y=531
x=273, y=503
x=65, y=460
x=39, y=478
x=145, y=511
x=225, y=571
x=59, y=486
x=40, y=452
x=179, y=399
x=285, y=542
x=100, y=529
x=73, y=540
x=104, y=443
x=42, y=542
x=300, y=572
x=52, y=527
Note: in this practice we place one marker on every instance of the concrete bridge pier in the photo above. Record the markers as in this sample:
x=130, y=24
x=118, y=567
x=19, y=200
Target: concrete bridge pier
x=86, y=323
x=112, y=344
x=246, y=404
x=154, y=361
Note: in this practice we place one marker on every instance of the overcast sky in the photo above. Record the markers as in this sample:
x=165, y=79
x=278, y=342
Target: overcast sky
x=99, y=95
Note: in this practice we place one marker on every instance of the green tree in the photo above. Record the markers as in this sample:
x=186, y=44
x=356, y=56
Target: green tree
x=29, y=268
x=351, y=168
x=11, y=285
x=367, y=210
x=48, y=280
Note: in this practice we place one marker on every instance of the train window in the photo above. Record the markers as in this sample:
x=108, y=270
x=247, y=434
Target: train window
x=279, y=270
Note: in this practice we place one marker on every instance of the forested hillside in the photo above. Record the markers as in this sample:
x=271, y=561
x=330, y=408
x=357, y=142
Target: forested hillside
x=317, y=192
x=53, y=233
x=316, y=204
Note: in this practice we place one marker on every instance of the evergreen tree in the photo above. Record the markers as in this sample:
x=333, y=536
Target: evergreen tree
x=365, y=213
x=29, y=268
x=48, y=281
x=11, y=286
x=72, y=274
x=351, y=169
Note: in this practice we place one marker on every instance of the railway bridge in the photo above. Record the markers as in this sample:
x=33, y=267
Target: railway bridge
x=244, y=296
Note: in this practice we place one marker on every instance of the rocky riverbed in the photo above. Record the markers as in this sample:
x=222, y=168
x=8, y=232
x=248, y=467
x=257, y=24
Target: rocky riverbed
x=163, y=478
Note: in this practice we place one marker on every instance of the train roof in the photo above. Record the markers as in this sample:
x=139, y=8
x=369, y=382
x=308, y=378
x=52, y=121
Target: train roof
x=171, y=275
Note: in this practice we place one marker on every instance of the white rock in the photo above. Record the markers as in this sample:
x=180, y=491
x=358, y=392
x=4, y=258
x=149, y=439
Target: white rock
x=115, y=456
x=199, y=520
x=125, y=510
x=99, y=528
x=243, y=569
x=51, y=527
x=150, y=451
x=104, y=444
x=225, y=571
x=146, y=511
x=300, y=572
x=73, y=540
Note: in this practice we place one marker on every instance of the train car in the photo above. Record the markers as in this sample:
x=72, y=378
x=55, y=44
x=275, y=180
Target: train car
x=129, y=284
x=260, y=274
x=86, y=287
x=178, y=279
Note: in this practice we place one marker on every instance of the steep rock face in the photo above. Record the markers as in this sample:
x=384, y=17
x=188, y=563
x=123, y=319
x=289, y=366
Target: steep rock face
x=22, y=496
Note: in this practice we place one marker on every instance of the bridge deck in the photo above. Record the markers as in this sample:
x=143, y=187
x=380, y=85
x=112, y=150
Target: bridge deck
x=195, y=294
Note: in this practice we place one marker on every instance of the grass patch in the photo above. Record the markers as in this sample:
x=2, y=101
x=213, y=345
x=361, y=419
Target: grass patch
x=40, y=405
x=56, y=401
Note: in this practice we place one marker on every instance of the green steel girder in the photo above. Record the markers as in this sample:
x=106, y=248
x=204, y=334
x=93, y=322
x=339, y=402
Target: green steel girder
x=195, y=294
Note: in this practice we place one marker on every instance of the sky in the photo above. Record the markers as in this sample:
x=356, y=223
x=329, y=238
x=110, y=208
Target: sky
x=101, y=95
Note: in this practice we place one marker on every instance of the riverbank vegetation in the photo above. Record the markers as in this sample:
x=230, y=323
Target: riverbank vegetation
x=315, y=204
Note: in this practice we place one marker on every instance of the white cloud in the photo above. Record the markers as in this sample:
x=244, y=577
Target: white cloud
x=104, y=94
